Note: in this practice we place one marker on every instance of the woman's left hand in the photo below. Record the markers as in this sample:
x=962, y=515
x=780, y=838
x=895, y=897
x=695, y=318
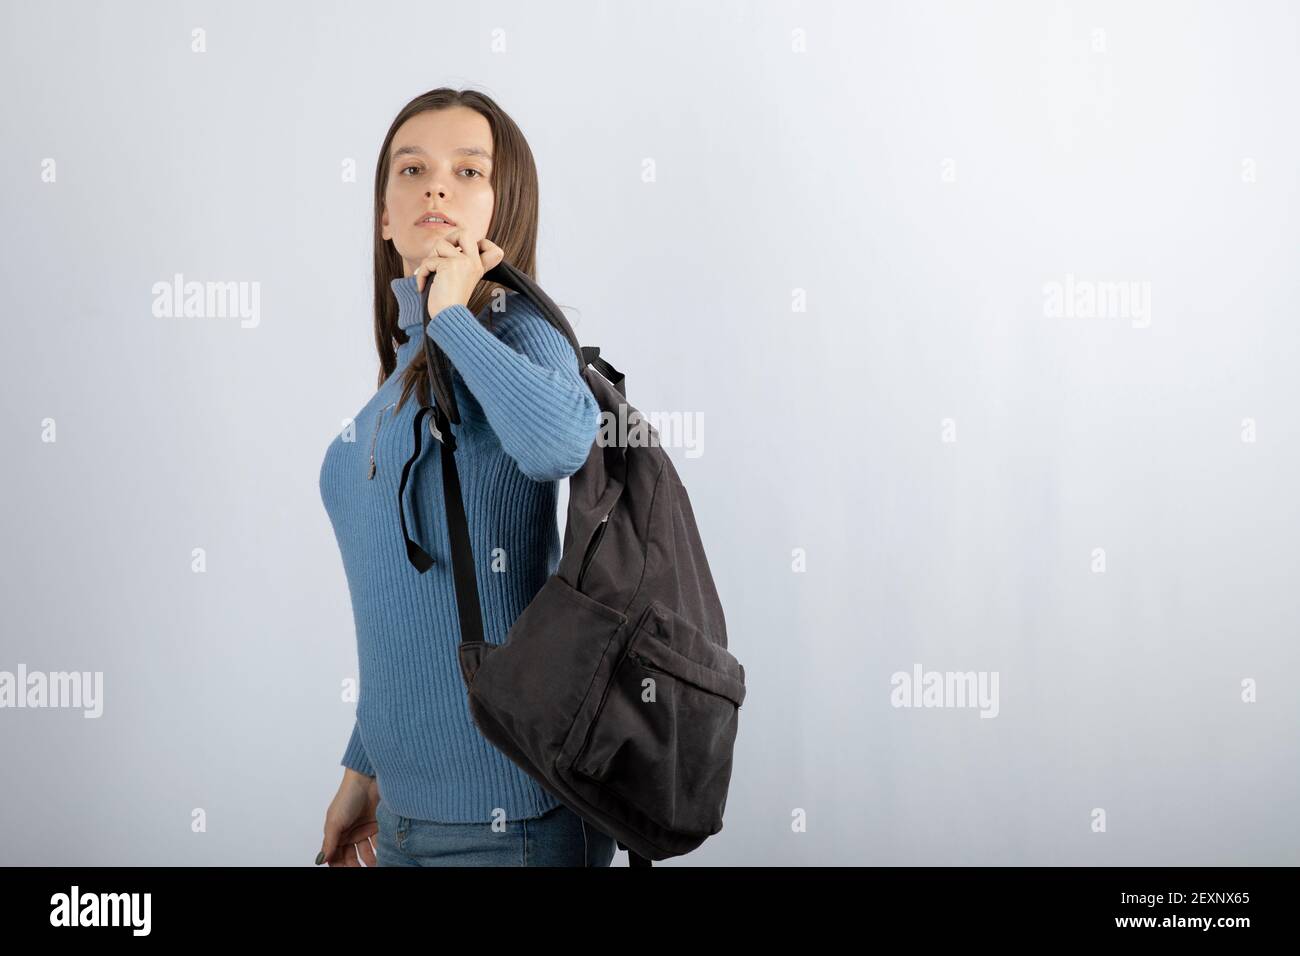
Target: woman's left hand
x=458, y=263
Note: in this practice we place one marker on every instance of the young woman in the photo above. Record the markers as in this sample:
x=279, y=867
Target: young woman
x=422, y=786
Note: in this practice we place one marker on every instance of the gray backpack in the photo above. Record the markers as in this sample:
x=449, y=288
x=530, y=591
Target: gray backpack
x=614, y=688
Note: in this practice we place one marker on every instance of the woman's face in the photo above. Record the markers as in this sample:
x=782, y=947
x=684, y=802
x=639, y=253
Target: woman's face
x=441, y=161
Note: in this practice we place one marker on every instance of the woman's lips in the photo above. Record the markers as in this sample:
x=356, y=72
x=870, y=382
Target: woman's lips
x=435, y=225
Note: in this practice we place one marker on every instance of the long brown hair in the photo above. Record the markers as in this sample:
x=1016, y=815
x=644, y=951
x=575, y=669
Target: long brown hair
x=513, y=226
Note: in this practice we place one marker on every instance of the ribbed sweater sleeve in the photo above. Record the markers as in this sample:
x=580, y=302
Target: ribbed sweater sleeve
x=354, y=757
x=528, y=381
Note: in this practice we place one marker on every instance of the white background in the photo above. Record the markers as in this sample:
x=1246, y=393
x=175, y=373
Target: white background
x=919, y=171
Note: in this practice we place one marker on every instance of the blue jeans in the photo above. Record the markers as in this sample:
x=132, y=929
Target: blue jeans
x=558, y=837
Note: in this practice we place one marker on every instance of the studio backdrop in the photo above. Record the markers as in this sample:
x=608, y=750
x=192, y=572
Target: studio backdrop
x=971, y=330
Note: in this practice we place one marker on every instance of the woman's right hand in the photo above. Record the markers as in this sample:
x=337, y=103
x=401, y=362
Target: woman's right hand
x=350, y=822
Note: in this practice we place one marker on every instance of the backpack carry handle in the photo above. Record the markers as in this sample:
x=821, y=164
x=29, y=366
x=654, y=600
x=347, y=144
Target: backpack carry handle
x=591, y=356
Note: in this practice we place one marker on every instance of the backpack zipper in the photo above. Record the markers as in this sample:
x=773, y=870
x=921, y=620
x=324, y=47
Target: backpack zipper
x=591, y=548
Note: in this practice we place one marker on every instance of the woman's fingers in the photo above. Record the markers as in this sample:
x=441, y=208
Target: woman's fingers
x=475, y=255
x=420, y=272
x=427, y=268
x=469, y=248
x=442, y=249
x=451, y=238
x=367, y=851
x=491, y=254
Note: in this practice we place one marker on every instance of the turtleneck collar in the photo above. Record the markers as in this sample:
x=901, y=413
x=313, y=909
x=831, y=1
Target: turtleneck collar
x=410, y=307
x=410, y=317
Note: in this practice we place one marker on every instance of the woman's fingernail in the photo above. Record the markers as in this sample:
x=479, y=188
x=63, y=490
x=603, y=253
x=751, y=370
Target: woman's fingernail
x=320, y=857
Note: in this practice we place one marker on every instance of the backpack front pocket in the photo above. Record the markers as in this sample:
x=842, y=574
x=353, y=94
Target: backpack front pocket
x=532, y=685
x=663, y=735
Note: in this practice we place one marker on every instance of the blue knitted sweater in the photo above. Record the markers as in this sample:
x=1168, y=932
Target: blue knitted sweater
x=528, y=420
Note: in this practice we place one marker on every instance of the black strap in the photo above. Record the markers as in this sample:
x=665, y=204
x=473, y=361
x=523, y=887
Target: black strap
x=462, y=553
x=414, y=553
x=442, y=396
x=591, y=356
x=633, y=858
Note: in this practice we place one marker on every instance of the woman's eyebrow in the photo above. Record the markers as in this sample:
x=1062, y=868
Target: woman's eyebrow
x=462, y=150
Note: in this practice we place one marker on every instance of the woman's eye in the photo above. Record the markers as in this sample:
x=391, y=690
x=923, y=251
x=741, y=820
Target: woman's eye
x=477, y=173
